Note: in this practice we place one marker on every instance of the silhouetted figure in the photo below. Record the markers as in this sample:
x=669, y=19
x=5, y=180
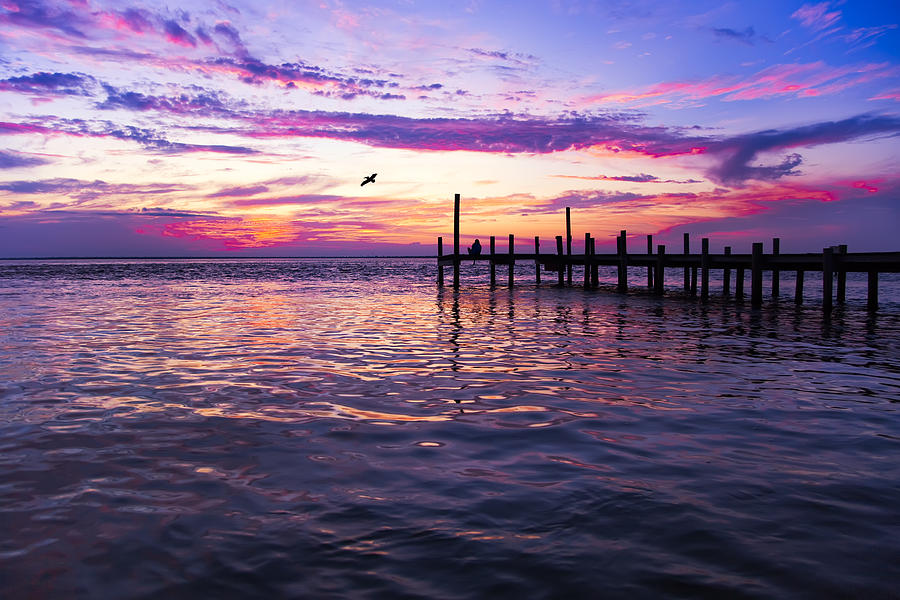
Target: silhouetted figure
x=475, y=250
x=369, y=179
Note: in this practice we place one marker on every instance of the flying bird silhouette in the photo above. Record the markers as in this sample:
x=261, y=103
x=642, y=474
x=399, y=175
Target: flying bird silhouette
x=369, y=179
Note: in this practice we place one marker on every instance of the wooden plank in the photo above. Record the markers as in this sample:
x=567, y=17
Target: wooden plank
x=756, y=275
x=704, y=266
x=493, y=262
x=827, y=279
x=440, y=266
x=559, y=253
x=569, y=244
x=456, y=240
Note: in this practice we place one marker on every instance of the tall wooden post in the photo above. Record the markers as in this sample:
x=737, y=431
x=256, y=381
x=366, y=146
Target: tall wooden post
x=559, y=255
x=537, y=261
x=623, y=263
x=872, y=299
x=756, y=266
x=704, y=268
x=827, y=279
x=798, y=288
x=739, y=284
x=456, y=241
x=776, y=246
x=841, y=275
x=512, y=258
x=493, y=262
x=693, y=282
x=595, y=275
x=687, y=273
x=440, y=265
x=726, y=275
x=649, y=267
x=569, y=244
x=660, y=276
x=587, y=260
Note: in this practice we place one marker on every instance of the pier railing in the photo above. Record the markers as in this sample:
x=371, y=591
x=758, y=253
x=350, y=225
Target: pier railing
x=834, y=262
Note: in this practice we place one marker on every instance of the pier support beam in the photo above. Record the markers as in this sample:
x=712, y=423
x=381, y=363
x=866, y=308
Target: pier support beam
x=537, y=261
x=493, y=262
x=587, y=261
x=704, y=268
x=872, y=299
x=649, y=267
x=440, y=266
x=827, y=279
x=756, y=265
x=512, y=258
x=595, y=268
x=726, y=276
x=660, y=276
x=798, y=290
x=569, y=244
x=776, y=246
x=841, y=275
x=687, y=269
x=559, y=254
x=456, y=240
x=739, y=284
x=622, y=286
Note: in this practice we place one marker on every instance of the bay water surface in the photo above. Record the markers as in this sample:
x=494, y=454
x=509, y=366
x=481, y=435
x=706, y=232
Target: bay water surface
x=343, y=428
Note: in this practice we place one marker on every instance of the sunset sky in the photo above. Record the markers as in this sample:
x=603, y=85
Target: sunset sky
x=244, y=128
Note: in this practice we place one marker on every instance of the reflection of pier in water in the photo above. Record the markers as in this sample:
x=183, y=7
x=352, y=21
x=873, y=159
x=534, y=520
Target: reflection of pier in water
x=834, y=263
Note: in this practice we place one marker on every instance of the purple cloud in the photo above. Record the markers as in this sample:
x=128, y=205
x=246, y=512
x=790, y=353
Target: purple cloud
x=239, y=191
x=176, y=34
x=35, y=14
x=747, y=36
x=737, y=152
x=13, y=160
x=63, y=84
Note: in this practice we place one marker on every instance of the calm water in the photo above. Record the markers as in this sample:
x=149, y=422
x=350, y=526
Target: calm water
x=243, y=429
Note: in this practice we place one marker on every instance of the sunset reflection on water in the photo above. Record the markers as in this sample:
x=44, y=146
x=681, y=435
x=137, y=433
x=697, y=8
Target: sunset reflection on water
x=182, y=422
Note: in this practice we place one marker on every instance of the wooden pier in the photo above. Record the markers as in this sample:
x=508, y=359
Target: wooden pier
x=834, y=262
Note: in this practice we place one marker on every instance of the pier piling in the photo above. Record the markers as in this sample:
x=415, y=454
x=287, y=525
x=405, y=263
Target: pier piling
x=776, y=244
x=756, y=265
x=827, y=279
x=493, y=261
x=841, y=274
x=622, y=286
x=440, y=264
x=726, y=276
x=649, y=266
x=660, y=277
x=559, y=253
x=512, y=258
x=456, y=241
x=704, y=267
x=569, y=244
x=537, y=260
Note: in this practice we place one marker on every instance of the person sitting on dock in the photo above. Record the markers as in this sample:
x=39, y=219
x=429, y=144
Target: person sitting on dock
x=475, y=250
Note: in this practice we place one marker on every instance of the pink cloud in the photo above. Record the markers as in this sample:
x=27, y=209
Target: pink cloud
x=810, y=79
x=816, y=16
